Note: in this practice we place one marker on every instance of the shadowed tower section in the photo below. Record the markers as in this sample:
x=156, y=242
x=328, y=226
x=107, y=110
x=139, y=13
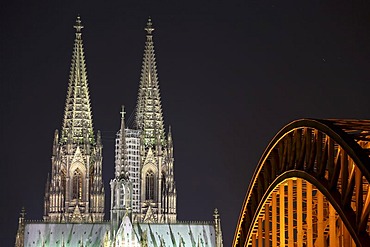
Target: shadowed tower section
x=75, y=191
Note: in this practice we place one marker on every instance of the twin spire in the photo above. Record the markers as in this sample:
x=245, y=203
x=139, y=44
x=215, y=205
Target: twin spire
x=149, y=117
x=77, y=123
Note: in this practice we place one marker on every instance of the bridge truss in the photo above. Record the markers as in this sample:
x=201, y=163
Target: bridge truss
x=310, y=188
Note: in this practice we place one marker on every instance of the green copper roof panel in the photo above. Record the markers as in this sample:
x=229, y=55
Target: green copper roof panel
x=44, y=234
x=184, y=234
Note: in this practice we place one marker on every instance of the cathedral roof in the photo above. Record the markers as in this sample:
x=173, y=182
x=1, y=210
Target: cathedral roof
x=177, y=234
x=95, y=234
x=149, y=117
x=64, y=234
x=77, y=122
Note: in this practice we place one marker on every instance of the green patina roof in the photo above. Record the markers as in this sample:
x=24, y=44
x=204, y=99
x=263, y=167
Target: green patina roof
x=69, y=234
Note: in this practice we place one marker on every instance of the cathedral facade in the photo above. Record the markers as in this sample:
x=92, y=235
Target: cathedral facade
x=143, y=191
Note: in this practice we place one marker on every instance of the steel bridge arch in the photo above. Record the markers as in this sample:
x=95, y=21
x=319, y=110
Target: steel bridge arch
x=332, y=155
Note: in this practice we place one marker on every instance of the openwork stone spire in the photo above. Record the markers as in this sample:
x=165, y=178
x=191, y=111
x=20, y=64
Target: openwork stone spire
x=75, y=191
x=77, y=123
x=149, y=117
x=121, y=167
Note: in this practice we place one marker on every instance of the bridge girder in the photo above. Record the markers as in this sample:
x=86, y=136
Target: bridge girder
x=332, y=155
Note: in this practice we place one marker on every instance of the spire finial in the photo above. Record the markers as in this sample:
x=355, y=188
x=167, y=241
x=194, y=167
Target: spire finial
x=216, y=215
x=149, y=27
x=23, y=213
x=78, y=26
x=123, y=169
x=122, y=112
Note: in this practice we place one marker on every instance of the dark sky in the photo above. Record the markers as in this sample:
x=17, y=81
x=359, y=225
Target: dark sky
x=232, y=73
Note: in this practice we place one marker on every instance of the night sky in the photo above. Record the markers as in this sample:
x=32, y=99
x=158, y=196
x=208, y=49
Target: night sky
x=231, y=73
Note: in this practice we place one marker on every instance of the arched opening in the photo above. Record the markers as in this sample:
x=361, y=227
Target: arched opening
x=63, y=180
x=149, y=185
x=91, y=180
x=114, y=195
x=164, y=192
x=77, y=185
x=122, y=195
x=163, y=185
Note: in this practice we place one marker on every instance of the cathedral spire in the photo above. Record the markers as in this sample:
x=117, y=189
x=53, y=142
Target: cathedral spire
x=149, y=117
x=77, y=113
x=122, y=171
x=75, y=191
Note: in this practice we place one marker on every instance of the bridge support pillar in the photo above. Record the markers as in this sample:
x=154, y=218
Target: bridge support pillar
x=320, y=219
x=260, y=231
x=254, y=241
x=290, y=217
x=309, y=214
x=332, y=226
x=282, y=214
x=267, y=225
x=274, y=219
x=299, y=213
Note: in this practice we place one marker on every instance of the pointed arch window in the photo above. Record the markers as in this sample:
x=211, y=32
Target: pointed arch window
x=164, y=184
x=92, y=182
x=77, y=185
x=63, y=180
x=164, y=192
x=122, y=195
x=149, y=185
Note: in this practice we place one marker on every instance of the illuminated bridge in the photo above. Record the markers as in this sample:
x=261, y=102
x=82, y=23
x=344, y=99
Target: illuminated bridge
x=310, y=188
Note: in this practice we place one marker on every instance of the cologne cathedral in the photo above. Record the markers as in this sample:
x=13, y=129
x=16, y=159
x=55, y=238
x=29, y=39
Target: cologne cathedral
x=143, y=190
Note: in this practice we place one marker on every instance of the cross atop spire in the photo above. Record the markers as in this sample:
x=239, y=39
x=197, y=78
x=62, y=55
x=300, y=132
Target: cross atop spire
x=121, y=168
x=123, y=112
x=149, y=27
x=78, y=26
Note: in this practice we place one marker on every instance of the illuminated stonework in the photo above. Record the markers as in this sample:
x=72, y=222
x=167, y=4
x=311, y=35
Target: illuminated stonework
x=149, y=117
x=77, y=123
x=143, y=193
x=75, y=191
